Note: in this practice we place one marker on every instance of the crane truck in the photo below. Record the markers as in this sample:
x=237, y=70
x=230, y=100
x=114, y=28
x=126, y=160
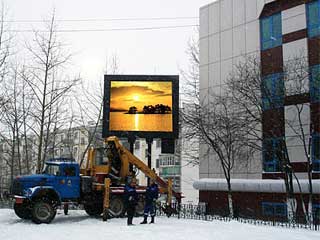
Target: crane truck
x=99, y=187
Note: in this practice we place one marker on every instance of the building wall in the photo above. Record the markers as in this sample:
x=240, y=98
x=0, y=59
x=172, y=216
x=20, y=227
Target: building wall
x=280, y=119
x=252, y=206
x=229, y=29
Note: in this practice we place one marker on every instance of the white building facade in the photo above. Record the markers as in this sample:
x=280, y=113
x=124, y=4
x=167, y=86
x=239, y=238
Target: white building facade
x=229, y=30
x=274, y=31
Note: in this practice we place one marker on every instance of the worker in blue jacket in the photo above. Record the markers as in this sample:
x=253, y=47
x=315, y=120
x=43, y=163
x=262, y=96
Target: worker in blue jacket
x=131, y=200
x=151, y=196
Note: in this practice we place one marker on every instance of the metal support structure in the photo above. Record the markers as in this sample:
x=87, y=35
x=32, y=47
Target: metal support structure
x=149, y=142
x=169, y=196
x=106, y=198
x=131, y=140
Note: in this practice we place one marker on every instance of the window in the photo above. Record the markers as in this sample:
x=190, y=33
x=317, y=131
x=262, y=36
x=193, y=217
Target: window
x=76, y=135
x=56, y=152
x=137, y=145
x=52, y=170
x=316, y=211
x=271, y=154
x=75, y=152
x=271, y=31
x=83, y=141
x=69, y=171
x=316, y=152
x=274, y=209
x=272, y=91
x=313, y=18
x=315, y=83
x=158, y=143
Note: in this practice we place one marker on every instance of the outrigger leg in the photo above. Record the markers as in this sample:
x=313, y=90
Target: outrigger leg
x=106, y=199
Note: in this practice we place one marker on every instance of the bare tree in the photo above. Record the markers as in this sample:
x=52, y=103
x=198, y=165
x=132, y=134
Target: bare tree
x=253, y=95
x=218, y=124
x=90, y=106
x=15, y=113
x=8, y=129
x=49, y=85
x=190, y=100
x=212, y=121
x=5, y=51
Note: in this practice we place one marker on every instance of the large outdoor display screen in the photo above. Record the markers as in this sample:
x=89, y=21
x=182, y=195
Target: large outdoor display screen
x=141, y=105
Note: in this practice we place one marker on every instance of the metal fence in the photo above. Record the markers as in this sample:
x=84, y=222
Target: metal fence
x=199, y=212
x=6, y=204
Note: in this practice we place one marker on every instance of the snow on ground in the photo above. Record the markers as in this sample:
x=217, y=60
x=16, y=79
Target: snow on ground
x=79, y=226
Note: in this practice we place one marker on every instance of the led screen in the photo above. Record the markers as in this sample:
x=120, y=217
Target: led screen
x=143, y=106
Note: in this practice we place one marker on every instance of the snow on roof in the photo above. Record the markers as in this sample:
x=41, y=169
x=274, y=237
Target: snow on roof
x=255, y=185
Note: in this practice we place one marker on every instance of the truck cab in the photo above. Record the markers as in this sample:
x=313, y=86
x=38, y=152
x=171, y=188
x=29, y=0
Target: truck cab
x=64, y=177
x=37, y=196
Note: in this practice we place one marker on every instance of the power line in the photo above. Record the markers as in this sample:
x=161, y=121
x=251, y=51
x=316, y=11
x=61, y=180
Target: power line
x=108, y=29
x=103, y=19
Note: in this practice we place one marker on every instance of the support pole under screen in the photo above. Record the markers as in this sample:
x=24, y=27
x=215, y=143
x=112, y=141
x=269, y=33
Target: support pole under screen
x=149, y=142
x=131, y=140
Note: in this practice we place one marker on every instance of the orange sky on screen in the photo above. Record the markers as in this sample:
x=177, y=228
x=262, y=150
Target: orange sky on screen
x=124, y=95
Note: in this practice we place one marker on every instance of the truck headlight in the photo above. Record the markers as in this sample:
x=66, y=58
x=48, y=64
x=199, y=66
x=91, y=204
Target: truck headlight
x=28, y=192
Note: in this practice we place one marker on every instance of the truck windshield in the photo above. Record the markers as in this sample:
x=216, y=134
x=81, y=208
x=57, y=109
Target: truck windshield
x=52, y=170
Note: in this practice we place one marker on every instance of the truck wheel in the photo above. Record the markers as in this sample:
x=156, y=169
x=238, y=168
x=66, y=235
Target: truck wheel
x=116, y=207
x=93, y=209
x=140, y=207
x=43, y=212
x=22, y=211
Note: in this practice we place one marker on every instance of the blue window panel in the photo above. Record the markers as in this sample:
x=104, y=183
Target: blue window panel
x=271, y=31
x=316, y=211
x=316, y=152
x=271, y=166
x=267, y=209
x=313, y=18
x=274, y=209
x=280, y=209
x=272, y=91
x=270, y=154
x=315, y=83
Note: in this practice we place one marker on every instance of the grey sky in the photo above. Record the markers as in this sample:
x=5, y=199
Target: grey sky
x=139, y=52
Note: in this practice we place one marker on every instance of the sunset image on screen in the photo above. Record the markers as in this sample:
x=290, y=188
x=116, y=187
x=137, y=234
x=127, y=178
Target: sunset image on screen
x=141, y=106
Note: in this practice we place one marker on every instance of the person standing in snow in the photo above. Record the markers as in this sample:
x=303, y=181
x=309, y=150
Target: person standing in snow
x=151, y=196
x=131, y=200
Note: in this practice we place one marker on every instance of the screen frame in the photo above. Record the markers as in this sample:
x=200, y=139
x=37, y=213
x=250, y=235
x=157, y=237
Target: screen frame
x=106, y=132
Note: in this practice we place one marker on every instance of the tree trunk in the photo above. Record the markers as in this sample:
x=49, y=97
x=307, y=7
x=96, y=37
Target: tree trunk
x=230, y=203
x=291, y=207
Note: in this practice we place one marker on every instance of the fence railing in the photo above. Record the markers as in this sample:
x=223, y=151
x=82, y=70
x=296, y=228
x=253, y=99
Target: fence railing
x=199, y=212
x=6, y=204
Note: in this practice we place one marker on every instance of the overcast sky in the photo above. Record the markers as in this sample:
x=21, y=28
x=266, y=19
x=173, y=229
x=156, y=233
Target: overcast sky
x=139, y=52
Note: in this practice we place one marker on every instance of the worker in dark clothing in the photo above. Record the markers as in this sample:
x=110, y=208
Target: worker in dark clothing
x=131, y=200
x=151, y=196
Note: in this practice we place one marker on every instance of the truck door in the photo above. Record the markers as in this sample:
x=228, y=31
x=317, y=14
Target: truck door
x=69, y=182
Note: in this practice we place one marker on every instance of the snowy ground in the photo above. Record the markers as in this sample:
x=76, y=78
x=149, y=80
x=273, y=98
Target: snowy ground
x=79, y=226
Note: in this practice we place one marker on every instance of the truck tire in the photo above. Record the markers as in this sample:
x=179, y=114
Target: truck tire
x=43, y=212
x=116, y=207
x=93, y=210
x=22, y=211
